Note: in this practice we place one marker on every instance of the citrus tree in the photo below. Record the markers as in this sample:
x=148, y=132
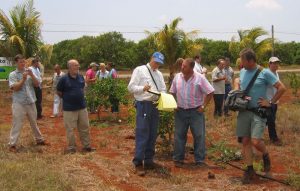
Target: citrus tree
x=99, y=94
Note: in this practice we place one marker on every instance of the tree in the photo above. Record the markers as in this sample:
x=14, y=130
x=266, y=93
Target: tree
x=21, y=34
x=175, y=43
x=252, y=38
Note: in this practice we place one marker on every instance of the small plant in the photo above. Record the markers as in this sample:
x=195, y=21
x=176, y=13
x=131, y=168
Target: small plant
x=166, y=127
x=293, y=179
x=221, y=153
x=294, y=83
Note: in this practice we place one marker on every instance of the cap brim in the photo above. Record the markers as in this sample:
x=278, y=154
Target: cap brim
x=158, y=61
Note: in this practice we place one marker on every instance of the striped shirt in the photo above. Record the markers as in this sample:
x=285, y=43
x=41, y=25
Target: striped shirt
x=191, y=93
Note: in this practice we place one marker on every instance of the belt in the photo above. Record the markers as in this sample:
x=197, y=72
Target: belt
x=148, y=102
x=188, y=109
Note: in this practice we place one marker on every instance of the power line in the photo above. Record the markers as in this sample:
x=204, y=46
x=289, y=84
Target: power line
x=288, y=33
x=74, y=31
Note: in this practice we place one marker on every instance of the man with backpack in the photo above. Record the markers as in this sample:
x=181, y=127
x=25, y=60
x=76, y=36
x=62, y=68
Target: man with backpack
x=251, y=122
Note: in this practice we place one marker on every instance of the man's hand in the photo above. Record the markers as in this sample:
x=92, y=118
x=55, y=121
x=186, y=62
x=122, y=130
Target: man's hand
x=201, y=109
x=25, y=74
x=263, y=102
x=146, y=88
x=29, y=72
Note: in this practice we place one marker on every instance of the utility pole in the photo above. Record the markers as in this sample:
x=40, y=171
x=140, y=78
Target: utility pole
x=273, y=45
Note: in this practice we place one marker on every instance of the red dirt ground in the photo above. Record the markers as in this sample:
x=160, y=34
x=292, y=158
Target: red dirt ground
x=114, y=142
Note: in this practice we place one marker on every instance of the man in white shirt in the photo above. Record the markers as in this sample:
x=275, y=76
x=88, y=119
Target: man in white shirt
x=271, y=91
x=218, y=82
x=198, y=67
x=38, y=90
x=146, y=78
x=229, y=73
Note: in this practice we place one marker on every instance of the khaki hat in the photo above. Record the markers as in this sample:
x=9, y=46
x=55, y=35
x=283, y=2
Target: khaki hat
x=93, y=64
x=274, y=59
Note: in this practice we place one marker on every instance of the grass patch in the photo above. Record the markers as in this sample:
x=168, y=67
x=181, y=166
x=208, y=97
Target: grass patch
x=31, y=174
x=8, y=69
x=294, y=180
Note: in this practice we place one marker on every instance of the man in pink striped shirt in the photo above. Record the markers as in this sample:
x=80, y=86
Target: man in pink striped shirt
x=193, y=92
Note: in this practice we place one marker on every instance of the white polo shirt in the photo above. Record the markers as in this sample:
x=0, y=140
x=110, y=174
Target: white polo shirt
x=141, y=77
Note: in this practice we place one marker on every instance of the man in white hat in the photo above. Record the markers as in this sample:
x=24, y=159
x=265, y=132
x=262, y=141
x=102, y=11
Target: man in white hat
x=271, y=91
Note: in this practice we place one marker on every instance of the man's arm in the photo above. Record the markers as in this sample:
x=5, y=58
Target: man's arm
x=36, y=82
x=280, y=91
x=207, y=99
x=60, y=94
x=18, y=85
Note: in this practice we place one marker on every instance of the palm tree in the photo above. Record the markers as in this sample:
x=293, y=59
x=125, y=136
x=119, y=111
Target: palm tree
x=22, y=32
x=175, y=43
x=252, y=38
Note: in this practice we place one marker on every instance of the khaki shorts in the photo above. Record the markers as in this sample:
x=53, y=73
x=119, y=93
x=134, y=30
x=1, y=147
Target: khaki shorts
x=250, y=125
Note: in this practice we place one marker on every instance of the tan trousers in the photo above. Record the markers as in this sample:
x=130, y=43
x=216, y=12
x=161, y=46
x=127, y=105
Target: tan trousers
x=19, y=111
x=77, y=119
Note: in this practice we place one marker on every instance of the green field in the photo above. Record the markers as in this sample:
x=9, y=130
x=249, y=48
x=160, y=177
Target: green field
x=8, y=69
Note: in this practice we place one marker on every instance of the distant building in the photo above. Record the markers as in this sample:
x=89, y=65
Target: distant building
x=5, y=62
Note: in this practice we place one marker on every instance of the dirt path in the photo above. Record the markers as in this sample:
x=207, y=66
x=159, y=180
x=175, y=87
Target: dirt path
x=111, y=163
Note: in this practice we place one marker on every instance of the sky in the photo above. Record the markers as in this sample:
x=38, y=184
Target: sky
x=215, y=19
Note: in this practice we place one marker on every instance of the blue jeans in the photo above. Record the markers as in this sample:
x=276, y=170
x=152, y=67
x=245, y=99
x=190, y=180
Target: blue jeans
x=147, y=117
x=228, y=88
x=196, y=121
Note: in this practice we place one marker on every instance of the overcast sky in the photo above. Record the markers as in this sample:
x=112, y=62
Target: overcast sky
x=219, y=20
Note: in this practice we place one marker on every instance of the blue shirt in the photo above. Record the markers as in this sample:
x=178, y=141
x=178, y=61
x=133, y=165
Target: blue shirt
x=72, y=92
x=26, y=94
x=259, y=88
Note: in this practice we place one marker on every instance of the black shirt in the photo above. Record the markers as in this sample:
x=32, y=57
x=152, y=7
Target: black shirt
x=72, y=92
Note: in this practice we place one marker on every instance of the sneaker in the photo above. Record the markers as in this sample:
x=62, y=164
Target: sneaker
x=179, y=164
x=151, y=166
x=139, y=170
x=12, y=149
x=88, y=149
x=42, y=143
x=201, y=164
x=249, y=175
x=70, y=151
x=267, y=162
x=277, y=142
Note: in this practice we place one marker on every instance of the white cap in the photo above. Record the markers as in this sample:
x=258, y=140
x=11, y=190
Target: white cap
x=274, y=59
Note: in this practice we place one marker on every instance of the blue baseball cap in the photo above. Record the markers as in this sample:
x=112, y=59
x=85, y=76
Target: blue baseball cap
x=158, y=57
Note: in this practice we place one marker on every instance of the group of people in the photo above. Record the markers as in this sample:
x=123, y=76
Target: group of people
x=190, y=87
x=68, y=88
x=193, y=92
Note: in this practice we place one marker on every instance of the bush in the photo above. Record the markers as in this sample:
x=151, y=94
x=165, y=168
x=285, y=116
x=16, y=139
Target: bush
x=103, y=91
x=294, y=83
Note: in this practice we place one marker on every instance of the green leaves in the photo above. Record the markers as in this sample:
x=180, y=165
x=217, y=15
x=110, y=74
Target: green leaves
x=22, y=32
x=102, y=91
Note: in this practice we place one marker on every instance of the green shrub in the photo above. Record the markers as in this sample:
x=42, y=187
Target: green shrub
x=294, y=82
x=101, y=93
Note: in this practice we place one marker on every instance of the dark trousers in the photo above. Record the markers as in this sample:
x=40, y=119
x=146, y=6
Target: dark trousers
x=228, y=88
x=114, y=103
x=218, y=99
x=271, y=123
x=38, y=103
x=147, y=117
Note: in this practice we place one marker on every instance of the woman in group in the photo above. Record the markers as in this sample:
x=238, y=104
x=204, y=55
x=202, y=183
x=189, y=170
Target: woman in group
x=102, y=73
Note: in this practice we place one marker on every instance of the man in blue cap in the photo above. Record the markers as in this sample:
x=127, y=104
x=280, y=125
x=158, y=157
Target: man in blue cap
x=146, y=78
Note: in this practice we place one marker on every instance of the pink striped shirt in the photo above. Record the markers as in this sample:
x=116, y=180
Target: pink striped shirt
x=191, y=93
